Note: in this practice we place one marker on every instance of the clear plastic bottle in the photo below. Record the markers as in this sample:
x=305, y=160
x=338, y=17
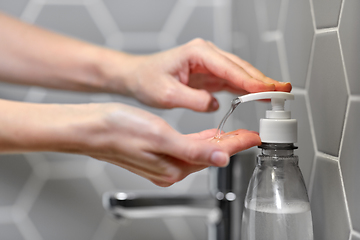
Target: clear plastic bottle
x=276, y=204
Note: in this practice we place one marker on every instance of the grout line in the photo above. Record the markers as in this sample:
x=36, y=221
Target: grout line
x=27, y=197
x=261, y=16
x=103, y=19
x=326, y=30
x=312, y=11
x=355, y=233
x=341, y=12
x=354, y=98
x=35, y=95
x=297, y=90
x=178, y=18
x=312, y=130
x=312, y=177
x=64, y=2
x=179, y=228
x=311, y=122
x=339, y=165
x=310, y=65
x=269, y=36
x=327, y=156
x=222, y=25
x=5, y=215
x=282, y=15
x=28, y=230
x=107, y=229
x=283, y=60
x=345, y=197
x=344, y=65
x=344, y=125
x=66, y=170
x=32, y=10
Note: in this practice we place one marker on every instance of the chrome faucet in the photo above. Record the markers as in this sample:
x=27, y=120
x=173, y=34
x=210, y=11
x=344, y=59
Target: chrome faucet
x=222, y=207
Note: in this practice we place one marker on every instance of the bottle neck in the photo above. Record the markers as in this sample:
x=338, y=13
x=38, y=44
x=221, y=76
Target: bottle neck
x=277, y=149
x=277, y=153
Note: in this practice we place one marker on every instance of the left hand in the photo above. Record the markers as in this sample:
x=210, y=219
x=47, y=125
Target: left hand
x=187, y=76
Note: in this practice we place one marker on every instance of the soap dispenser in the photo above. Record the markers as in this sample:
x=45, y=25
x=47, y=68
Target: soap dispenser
x=276, y=204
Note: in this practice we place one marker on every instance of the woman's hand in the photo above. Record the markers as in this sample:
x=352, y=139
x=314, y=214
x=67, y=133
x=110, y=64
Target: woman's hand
x=187, y=75
x=146, y=145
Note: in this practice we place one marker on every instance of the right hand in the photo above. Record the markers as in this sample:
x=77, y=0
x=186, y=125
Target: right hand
x=146, y=145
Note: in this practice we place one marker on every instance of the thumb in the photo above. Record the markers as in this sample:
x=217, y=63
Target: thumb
x=197, y=152
x=195, y=99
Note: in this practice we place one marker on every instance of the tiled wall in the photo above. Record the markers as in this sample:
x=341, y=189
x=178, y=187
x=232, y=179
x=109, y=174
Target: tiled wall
x=58, y=196
x=314, y=44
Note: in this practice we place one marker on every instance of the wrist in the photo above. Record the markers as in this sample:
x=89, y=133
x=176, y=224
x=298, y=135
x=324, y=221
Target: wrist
x=116, y=70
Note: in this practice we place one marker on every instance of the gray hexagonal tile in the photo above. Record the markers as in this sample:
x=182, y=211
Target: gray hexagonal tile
x=127, y=181
x=248, y=115
x=65, y=157
x=354, y=237
x=268, y=60
x=192, y=122
x=242, y=11
x=13, y=92
x=198, y=227
x=350, y=43
x=58, y=96
x=305, y=143
x=199, y=25
x=140, y=43
x=328, y=205
x=326, y=13
x=349, y=162
x=270, y=11
x=152, y=229
x=134, y=103
x=298, y=36
x=140, y=15
x=73, y=20
x=14, y=8
x=327, y=93
x=10, y=232
x=14, y=172
x=67, y=209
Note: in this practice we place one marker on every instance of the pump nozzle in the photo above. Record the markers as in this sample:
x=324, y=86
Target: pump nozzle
x=277, y=127
x=266, y=95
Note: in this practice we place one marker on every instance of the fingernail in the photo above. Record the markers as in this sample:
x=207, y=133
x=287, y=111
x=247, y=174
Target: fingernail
x=214, y=105
x=219, y=158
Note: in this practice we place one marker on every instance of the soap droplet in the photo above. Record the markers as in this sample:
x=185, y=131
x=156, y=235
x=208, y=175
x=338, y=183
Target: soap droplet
x=234, y=103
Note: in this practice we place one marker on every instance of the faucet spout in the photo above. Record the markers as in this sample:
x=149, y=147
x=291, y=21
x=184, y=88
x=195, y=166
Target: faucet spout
x=124, y=205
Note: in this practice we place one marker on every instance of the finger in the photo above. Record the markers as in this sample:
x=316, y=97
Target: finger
x=196, y=99
x=254, y=72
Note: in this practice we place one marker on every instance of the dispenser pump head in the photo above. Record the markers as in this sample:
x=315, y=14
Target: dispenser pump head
x=277, y=127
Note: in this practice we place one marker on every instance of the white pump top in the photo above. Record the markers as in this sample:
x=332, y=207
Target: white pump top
x=277, y=127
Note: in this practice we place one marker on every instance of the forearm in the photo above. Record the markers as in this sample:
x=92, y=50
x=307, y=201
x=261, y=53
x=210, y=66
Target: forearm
x=28, y=127
x=33, y=56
